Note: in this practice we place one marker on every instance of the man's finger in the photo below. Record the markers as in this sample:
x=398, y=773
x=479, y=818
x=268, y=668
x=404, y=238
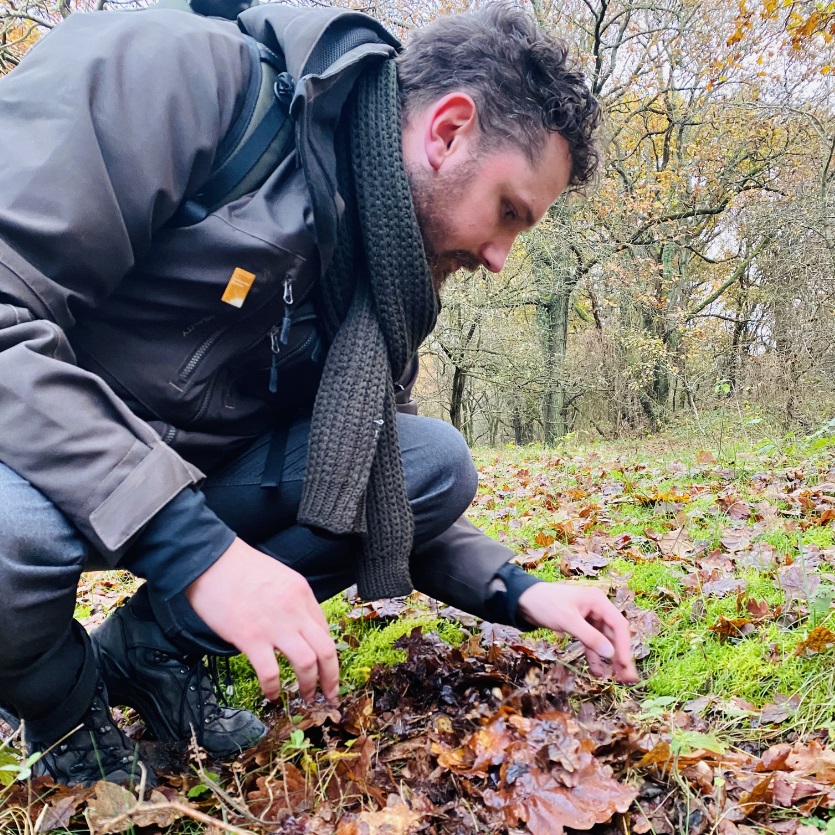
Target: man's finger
x=302, y=657
x=316, y=612
x=590, y=637
x=327, y=659
x=596, y=664
x=265, y=664
x=614, y=626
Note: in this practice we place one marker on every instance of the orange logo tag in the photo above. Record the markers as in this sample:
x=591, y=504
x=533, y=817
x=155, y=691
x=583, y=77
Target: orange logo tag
x=238, y=287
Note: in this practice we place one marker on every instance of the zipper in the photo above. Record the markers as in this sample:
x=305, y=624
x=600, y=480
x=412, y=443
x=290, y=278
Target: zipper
x=198, y=355
x=287, y=295
x=279, y=337
x=275, y=348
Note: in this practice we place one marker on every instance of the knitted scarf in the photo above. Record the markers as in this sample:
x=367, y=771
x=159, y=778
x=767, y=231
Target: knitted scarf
x=379, y=305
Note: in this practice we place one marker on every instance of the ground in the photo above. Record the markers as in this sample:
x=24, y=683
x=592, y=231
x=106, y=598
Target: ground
x=722, y=557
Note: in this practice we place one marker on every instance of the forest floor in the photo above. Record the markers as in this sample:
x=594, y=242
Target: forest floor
x=722, y=557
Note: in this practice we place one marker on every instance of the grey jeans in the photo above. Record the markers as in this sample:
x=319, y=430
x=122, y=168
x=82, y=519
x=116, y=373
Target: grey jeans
x=46, y=673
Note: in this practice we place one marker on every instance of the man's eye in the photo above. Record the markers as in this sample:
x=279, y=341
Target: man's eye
x=509, y=212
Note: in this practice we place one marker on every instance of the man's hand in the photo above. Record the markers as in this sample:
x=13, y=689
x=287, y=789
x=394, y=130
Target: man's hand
x=260, y=605
x=588, y=615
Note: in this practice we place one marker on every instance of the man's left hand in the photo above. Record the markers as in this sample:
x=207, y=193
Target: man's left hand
x=587, y=614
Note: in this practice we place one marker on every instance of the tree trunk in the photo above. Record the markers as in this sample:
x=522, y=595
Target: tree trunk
x=553, y=323
x=456, y=400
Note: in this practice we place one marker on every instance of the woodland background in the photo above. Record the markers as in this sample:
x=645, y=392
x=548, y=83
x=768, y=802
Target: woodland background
x=693, y=289
x=697, y=273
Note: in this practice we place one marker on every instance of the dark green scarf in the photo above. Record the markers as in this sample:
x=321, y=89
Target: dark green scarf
x=379, y=305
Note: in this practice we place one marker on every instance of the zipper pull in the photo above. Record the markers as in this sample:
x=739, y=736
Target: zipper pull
x=288, y=318
x=275, y=349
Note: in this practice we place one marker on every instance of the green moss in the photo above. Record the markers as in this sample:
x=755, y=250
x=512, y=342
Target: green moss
x=549, y=570
x=645, y=578
x=376, y=645
x=822, y=536
x=781, y=541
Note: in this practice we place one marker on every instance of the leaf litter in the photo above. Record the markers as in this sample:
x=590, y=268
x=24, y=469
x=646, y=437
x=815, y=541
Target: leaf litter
x=508, y=733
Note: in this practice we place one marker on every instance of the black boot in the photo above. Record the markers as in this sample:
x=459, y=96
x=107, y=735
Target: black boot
x=97, y=750
x=170, y=690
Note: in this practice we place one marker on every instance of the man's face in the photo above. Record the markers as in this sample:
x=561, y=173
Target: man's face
x=471, y=209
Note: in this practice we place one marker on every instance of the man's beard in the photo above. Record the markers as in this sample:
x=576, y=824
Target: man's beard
x=432, y=195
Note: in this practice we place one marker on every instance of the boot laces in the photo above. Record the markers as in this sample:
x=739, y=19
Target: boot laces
x=99, y=736
x=201, y=691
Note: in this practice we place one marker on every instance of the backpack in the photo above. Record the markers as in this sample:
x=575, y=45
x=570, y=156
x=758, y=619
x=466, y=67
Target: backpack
x=260, y=137
x=263, y=134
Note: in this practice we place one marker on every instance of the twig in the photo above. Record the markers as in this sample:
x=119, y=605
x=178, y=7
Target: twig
x=171, y=806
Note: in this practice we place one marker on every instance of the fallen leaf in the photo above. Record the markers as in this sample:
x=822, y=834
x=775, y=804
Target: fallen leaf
x=108, y=810
x=731, y=627
x=57, y=815
x=797, y=581
x=818, y=640
x=676, y=544
x=396, y=820
x=156, y=811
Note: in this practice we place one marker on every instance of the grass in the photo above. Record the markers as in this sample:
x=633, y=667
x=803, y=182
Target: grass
x=686, y=659
x=658, y=485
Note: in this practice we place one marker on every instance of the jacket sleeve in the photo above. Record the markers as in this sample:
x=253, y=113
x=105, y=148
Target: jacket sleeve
x=105, y=126
x=459, y=566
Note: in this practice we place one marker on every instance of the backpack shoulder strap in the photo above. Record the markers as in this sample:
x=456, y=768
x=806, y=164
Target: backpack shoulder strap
x=264, y=132
x=260, y=137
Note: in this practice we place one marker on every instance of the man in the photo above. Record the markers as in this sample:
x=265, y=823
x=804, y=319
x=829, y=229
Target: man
x=258, y=346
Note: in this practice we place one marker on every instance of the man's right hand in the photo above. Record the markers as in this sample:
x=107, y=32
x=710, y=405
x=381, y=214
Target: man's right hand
x=261, y=606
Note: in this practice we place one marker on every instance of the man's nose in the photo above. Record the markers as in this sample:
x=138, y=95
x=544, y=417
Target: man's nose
x=494, y=254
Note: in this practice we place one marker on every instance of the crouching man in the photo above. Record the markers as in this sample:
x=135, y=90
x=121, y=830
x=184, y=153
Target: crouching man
x=212, y=402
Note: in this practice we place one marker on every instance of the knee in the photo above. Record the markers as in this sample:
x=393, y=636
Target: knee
x=41, y=558
x=456, y=474
x=441, y=478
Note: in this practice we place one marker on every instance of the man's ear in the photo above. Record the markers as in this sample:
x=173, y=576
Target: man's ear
x=451, y=125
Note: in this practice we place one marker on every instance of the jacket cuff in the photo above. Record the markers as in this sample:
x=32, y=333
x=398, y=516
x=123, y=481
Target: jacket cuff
x=180, y=543
x=509, y=584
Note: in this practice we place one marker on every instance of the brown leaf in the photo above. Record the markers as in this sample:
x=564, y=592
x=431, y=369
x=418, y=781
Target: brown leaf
x=797, y=581
x=108, y=810
x=543, y=539
x=393, y=820
x=724, y=586
x=676, y=544
x=757, y=801
x=739, y=510
x=818, y=640
x=155, y=812
x=545, y=805
x=774, y=714
x=57, y=815
x=735, y=540
x=730, y=627
x=813, y=760
x=774, y=758
x=705, y=457
x=700, y=774
x=581, y=559
x=759, y=609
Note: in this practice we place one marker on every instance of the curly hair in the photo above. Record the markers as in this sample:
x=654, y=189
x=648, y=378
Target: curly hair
x=522, y=81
